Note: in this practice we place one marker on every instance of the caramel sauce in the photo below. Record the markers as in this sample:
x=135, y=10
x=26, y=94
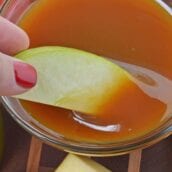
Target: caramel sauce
x=137, y=35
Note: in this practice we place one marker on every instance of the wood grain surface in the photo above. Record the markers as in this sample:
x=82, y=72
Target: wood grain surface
x=135, y=161
x=34, y=156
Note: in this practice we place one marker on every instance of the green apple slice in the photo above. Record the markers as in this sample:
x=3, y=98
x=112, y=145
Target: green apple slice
x=76, y=163
x=72, y=79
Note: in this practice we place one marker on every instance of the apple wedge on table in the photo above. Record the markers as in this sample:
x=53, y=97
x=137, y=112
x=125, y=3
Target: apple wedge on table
x=74, y=163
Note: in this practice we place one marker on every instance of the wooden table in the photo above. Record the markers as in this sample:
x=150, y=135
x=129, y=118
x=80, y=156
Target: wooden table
x=154, y=159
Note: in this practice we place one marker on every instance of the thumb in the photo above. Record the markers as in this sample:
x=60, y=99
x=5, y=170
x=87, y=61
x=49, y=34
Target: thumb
x=15, y=76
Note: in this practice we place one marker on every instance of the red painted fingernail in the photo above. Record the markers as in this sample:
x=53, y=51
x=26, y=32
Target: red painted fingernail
x=25, y=74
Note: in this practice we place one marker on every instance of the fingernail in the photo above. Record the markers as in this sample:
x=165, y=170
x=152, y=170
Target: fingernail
x=25, y=74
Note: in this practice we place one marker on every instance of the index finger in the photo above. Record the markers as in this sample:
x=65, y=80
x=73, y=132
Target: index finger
x=12, y=38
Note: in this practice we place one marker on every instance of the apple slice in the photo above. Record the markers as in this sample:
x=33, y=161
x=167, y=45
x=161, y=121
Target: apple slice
x=72, y=79
x=76, y=163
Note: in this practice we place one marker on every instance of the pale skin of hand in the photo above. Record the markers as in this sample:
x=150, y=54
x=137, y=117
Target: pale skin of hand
x=15, y=76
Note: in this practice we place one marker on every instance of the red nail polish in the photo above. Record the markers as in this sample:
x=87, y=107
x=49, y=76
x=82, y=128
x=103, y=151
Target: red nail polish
x=25, y=74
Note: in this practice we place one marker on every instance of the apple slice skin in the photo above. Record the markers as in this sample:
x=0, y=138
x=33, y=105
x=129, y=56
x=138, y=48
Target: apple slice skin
x=72, y=79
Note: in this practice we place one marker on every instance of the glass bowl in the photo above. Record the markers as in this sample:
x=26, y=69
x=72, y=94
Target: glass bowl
x=13, y=10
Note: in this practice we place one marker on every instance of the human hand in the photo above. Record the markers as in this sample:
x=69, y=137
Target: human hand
x=15, y=76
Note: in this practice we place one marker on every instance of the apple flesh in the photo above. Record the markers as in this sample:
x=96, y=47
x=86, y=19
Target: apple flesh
x=76, y=163
x=72, y=79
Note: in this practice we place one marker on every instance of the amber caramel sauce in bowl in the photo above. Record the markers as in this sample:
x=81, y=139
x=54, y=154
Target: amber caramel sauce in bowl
x=136, y=35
